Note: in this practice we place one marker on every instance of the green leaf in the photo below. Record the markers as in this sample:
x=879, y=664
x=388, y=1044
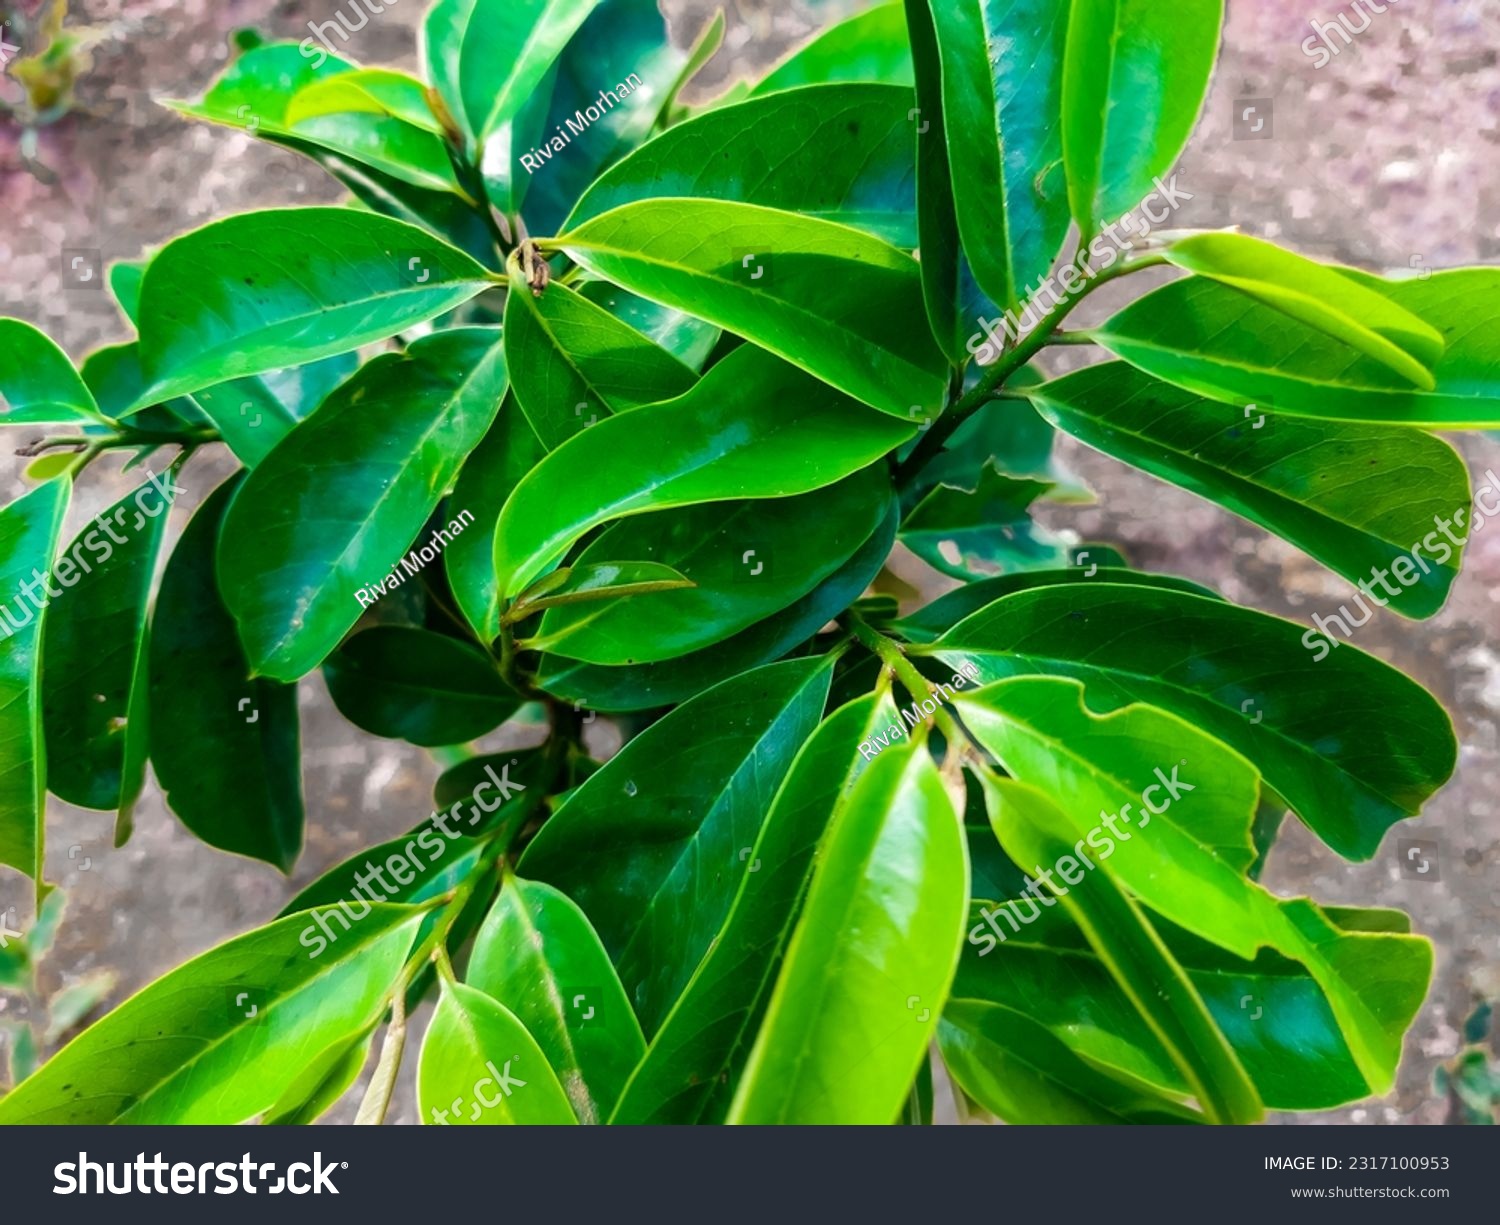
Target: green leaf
x=840, y=152
x=374, y=117
x=537, y=954
x=1024, y=1074
x=479, y=1065
x=220, y=1039
x=29, y=529
x=322, y=1083
x=886, y=906
x=283, y=287
x=114, y=376
x=255, y=90
x=870, y=46
x=689, y=339
x=621, y=50
x=832, y=300
x=573, y=363
x=1270, y=1009
x=379, y=118
x=694, y=1062
x=725, y=440
x=945, y=271
x=1219, y=342
x=489, y=476
x=1313, y=728
x=369, y=91
x=597, y=582
x=321, y=526
x=744, y=562
x=224, y=746
x=411, y=684
x=646, y=686
x=672, y=812
x=253, y=414
x=1317, y=295
x=1134, y=77
x=486, y=57
x=987, y=531
x=429, y=860
x=93, y=659
x=1033, y=830
x=38, y=384
x=1041, y=733
x=944, y=613
x=1357, y=498
x=1002, y=112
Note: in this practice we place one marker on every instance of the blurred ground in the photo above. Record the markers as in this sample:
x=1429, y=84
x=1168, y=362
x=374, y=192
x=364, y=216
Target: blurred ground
x=1386, y=158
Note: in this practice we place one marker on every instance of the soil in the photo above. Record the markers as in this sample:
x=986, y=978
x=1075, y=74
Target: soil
x=1386, y=159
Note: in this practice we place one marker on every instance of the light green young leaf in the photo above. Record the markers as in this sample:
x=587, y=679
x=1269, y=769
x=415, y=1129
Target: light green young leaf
x=886, y=906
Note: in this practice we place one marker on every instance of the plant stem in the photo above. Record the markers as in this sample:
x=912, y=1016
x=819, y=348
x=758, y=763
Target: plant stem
x=889, y=652
x=997, y=373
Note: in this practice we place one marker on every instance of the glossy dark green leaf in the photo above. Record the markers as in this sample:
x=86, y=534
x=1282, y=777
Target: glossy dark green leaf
x=988, y=531
x=468, y=826
x=622, y=64
x=29, y=529
x=1033, y=831
x=1040, y=731
x=886, y=905
x=486, y=57
x=841, y=152
x=746, y=561
x=220, y=1039
x=944, y=613
x=412, y=684
x=870, y=46
x=490, y=475
x=673, y=811
x=1009, y=435
x=37, y=381
x=645, y=686
x=573, y=363
x=1270, y=1008
x=253, y=414
x=729, y=438
x=265, y=290
x=834, y=301
x=1315, y=729
x=1134, y=77
x=224, y=746
x=1355, y=497
x=1317, y=295
x=687, y=338
x=537, y=954
x=114, y=376
x=93, y=660
x=329, y=520
x=1209, y=338
x=480, y=1065
x=1002, y=111
x=694, y=1062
